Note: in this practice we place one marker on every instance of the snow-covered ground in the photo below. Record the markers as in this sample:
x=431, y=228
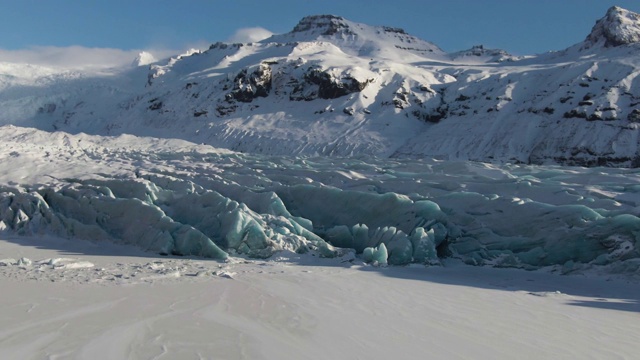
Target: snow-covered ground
x=78, y=284
x=134, y=305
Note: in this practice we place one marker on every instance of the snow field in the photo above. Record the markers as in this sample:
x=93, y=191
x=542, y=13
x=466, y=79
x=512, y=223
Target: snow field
x=132, y=304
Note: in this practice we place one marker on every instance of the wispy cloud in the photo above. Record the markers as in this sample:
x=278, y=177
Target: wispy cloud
x=249, y=35
x=81, y=57
x=74, y=57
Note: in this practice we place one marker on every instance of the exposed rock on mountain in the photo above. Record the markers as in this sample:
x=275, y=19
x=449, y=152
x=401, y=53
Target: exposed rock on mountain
x=618, y=27
x=318, y=83
x=247, y=87
x=323, y=25
x=479, y=52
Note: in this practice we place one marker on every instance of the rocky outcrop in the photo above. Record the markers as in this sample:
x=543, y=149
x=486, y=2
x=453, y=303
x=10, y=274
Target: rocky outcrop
x=250, y=85
x=318, y=83
x=634, y=116
x=619, y=27
x=323, y=24
x=47, y=108
x=492, y=55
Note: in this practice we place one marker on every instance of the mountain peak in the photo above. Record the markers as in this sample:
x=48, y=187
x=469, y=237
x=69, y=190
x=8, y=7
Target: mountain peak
x=323, y=25
x=618, y=27
x=356, y=38
x=328, y=25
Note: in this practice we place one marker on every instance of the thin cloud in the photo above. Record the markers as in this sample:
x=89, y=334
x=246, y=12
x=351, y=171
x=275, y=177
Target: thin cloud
x=76, y=57
x=81, y=57
x=249, y=35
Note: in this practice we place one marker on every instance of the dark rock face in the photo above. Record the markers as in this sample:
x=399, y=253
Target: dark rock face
x=433, y=117
x=634, y=116
x=155, y=104
x=320, y=84
x=400, y=100
x=248, y=86
x=479, y=50
x=619, y=27
x=303, y=92
x=47, y=108
x=394, y=30
x=575, y=114
x=324, y=24
x=331, y=88
x=225, y=109
x=496, y=55
x=222, y=46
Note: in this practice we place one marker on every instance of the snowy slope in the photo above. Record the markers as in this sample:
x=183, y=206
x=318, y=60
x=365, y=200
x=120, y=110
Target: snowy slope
x=336, y=87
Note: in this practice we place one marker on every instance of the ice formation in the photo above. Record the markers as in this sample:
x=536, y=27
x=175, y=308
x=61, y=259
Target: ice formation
x=214, y=203
x=181, y=220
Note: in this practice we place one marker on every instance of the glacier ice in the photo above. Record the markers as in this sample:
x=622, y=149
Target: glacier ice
x=179, y=221
x=377, y=255
x=388, y=211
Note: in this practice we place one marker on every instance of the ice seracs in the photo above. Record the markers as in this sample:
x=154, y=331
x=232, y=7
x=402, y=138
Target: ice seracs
x=195, y=200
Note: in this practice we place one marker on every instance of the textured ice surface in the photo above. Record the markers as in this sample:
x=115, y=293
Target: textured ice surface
x=378, y=255
x=210, y=203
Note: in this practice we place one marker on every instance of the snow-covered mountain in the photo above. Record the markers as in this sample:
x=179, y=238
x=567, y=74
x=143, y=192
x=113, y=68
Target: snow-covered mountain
x=335, y=87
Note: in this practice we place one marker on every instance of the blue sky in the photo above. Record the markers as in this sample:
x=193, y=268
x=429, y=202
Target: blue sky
x=518, y=26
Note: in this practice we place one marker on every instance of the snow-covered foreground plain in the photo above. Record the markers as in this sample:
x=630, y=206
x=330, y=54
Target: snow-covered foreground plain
x=135, y=305
x=269, y=273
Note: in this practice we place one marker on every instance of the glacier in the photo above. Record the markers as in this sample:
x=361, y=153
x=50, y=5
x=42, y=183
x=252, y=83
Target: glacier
x=338, y=139
x=195, y=200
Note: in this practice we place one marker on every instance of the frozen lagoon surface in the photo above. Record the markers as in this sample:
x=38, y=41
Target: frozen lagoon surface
x=145, y=248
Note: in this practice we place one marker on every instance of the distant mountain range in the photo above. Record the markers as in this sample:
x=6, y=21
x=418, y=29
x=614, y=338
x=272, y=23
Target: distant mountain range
x=335, y=87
